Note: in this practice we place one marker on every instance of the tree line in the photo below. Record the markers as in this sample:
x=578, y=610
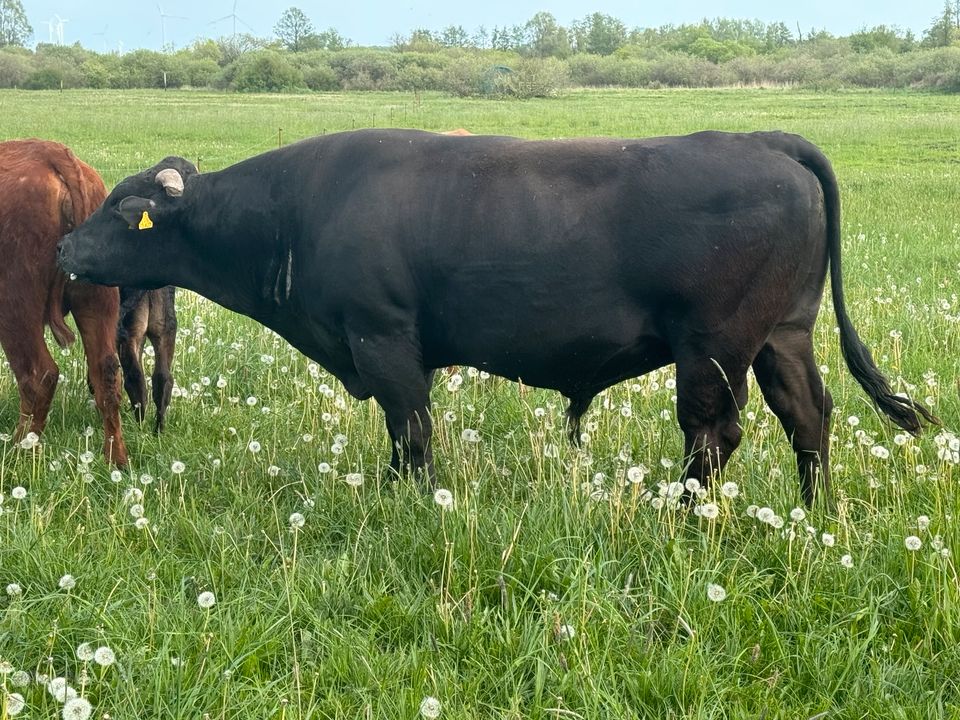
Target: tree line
x=536, y=58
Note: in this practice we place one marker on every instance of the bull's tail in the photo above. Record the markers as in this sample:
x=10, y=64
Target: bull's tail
x=84, y=191
x=903, y=411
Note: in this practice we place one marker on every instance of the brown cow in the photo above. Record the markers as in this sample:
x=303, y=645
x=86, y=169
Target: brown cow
x=459, y=132
x=147, y=314
x=45, y=191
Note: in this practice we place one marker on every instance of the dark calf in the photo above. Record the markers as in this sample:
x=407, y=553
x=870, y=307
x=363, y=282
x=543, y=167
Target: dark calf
x=45, y=191
x=147, y=314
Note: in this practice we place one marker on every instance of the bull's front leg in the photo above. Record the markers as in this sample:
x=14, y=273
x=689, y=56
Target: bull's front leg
x=392, y=371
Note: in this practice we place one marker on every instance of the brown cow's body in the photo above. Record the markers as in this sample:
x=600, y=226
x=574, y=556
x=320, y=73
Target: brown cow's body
x=45, y=191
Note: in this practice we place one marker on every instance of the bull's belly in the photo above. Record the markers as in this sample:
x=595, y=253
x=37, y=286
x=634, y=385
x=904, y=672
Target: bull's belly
x=582, y=366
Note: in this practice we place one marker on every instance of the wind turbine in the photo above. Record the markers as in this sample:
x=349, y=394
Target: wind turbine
x=233, y=16
x=163, y=23
x=55, y=25
x=103, y=36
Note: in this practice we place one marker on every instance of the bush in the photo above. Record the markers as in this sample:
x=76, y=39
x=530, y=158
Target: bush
x=679, y=70
x=937, y=69
x=265, y=71
x=15, y=68
x=320, y=77
x=619, y=69
x=468, y=76
x=200, y=73
x=358, y=69
x=45, y=79
x=877, y=69
x=538, y=77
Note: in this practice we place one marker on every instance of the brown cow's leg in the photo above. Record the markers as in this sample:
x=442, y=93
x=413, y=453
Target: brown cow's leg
x=95, y=311
x=37, y=374
x=790, y=381
x=708, y=409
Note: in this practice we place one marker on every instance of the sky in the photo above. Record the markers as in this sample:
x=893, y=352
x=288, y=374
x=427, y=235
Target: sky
x=111, y=25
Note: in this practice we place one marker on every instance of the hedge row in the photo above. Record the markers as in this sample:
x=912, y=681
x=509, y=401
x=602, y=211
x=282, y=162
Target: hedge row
x=468, y=73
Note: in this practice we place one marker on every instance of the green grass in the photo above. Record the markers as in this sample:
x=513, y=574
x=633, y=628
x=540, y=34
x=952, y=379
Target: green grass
x=382, y=598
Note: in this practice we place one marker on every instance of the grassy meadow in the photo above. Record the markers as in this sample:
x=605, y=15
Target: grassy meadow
x=555, y=584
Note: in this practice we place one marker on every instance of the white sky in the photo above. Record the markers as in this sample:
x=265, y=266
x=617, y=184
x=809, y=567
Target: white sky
x=104, y=24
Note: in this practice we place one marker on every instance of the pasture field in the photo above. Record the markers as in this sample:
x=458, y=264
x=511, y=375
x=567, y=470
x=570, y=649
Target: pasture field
x=558, y=584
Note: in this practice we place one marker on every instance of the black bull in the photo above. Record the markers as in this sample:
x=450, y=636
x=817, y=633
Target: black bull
x=572, y=265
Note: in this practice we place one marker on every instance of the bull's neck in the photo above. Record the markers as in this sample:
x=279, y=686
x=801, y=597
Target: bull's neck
x=243, y=244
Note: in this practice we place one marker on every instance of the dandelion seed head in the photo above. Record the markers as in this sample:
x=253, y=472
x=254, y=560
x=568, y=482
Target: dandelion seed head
x=177, y=467
x=912, y=543
x=15, y=704
x=206, y=600
x=878, y=451
x=77, y=708
x=104, y=656
x=846, y=561
x=20, y=678
x=85, y=652
x=765, y=514
x=430, y=708
x=716, y=592
x=354, y=479
x=297, y=520
x=828, y=540
x=443, y=498
x=730, y=489
x=67, y=582
x=636, y=474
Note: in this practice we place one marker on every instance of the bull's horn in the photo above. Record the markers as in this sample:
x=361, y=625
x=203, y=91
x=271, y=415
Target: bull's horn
x=171, y=181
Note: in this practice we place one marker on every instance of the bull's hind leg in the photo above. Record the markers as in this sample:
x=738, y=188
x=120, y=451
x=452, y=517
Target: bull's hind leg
x=708, y=408
x=790, y=381
x=391, y=370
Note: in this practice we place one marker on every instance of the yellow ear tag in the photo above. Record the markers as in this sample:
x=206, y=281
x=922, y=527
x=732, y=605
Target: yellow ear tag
x=145, y=222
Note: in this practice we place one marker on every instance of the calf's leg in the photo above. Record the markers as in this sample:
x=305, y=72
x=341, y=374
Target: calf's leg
x=130, y=339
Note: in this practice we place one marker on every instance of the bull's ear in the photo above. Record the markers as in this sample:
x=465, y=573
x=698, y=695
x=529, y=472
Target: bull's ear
x=136, y=212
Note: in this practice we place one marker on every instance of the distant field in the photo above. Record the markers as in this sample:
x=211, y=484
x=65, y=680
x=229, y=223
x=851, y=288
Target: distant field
x=553, y=588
